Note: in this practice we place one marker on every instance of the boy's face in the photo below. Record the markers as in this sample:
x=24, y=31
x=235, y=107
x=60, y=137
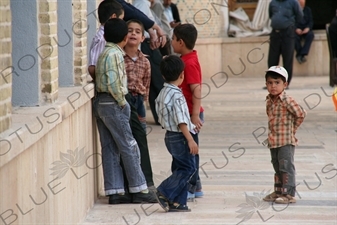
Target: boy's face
x=275, y=86
x=135, y=35
x=176, y=45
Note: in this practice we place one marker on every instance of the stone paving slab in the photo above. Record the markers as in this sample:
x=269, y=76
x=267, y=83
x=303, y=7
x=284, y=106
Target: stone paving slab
x=236, y=170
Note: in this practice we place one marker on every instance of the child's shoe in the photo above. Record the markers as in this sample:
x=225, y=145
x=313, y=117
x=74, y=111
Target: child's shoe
x=163, y=202
x=198, y=193
x=175, y=207
x=285, y=199
x=271, y=197
x=190, y=197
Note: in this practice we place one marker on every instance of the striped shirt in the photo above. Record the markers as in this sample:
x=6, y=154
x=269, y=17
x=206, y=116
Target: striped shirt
x=110, y=73
x=172, y=109
x=97, y=46
x=285, y=115
x=138, y=72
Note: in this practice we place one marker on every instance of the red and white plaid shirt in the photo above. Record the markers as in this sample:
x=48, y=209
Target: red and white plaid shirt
x=285, y=115
x=139, y=74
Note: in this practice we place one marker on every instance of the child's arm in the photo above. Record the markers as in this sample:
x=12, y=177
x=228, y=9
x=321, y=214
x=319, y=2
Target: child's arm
x=298, y=113
x=147, y=79
x=190, y=141
x=91, y=70
x=196, y=99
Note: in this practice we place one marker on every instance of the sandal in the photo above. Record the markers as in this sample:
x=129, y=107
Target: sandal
x=178, y=208
x=285, y=199
x=163, y=202
x=271, y=197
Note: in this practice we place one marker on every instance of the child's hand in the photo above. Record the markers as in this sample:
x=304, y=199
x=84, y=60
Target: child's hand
x=197, y=122
x=194, y=149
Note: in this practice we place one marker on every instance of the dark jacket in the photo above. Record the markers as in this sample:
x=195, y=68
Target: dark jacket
x=284, y=13
x=175, y=12
x=307, y=20
x=333, y=35
x=131, y=12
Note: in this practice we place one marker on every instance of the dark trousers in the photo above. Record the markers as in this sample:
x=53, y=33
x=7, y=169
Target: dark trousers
x=302, y=50
x=157, y=80
x=282, y=42
x=139, y=134
x=282, y=159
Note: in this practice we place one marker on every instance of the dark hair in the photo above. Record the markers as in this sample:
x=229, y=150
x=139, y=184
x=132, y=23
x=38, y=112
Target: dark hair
x=115, y=30
x=136, y=21
x=275, y=75
x=171, y=67
x=188, y=33
x=107, y=8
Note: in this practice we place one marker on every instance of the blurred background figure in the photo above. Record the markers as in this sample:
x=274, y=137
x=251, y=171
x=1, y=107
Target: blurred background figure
x=172, y=13
x=304, y=33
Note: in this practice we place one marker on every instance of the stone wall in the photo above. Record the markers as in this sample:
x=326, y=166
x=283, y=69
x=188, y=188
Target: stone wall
x=48, y=50
x=5, y=62
x=209, y=16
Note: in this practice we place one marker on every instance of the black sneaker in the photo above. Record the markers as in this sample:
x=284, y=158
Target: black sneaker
x=163, y=202
x=299, y=59
x=303, y=59
x=119, y=199
x=179, y=208
x=144, y=197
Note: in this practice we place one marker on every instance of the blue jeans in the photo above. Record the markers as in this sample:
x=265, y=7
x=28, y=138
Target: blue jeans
x=117, y=142
x=138, y=103
x=174, y=188
x=195, y=183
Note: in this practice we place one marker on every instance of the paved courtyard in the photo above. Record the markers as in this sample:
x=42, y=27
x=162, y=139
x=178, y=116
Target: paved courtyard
x=235, y=167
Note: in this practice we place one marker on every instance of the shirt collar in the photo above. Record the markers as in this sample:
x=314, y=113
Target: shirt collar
x=172, y=86
x=110, y=44
x=281, y=96
x=139, y=54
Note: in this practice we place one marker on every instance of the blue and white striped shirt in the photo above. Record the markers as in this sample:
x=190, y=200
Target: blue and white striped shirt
x=172, y=109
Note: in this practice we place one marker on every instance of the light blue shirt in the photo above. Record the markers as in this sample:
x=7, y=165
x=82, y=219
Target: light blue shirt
x=172, y=109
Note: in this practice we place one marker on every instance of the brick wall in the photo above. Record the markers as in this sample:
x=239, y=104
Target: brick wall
x=47, y=49
x=5, y=62
x=80, y=41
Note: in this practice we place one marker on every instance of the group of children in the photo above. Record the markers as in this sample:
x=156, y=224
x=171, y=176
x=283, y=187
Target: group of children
x=121, y=69
x=121, y=74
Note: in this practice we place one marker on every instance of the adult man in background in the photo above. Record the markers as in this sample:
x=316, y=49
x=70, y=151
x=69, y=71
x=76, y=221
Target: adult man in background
x=284, y=15
x=157, y=9
x=304, y=32
x=333, y=34
x=172, y=13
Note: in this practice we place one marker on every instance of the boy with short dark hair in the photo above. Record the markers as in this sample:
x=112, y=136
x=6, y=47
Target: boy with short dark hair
x=106, y=10
x=112, y=9
x=183, y=41
x=138, y=69
x=112, y=114
x=173, y=115
x=285, y=116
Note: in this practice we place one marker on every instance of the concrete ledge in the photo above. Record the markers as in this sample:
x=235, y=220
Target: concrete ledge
x=29, y=124
x=248, y=56
x=48, y=167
